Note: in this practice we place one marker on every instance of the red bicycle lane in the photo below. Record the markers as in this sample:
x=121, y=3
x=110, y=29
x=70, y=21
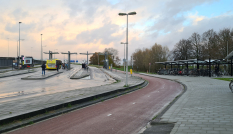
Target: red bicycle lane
x=122, y=115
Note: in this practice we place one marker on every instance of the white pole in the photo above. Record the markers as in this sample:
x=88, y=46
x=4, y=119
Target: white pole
x=19, y=41
x=31, y=51
x=41, y=51
x=124, y=57
x=17, y=48
x=8, y=47
x=127, y=54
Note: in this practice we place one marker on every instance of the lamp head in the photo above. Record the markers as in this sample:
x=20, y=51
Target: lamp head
x=123, y=43
x=20, y=22
x=122, y=14
x=132, y=13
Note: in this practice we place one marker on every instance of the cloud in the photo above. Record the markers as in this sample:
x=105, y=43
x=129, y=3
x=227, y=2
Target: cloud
x=216, y=23
x=90, y=25
x=85, y=9
x=103, y=34
x=14, y=28
x=19, y=14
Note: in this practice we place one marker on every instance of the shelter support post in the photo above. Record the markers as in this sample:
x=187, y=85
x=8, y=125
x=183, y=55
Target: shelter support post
x=231, y=66
x=209, y=68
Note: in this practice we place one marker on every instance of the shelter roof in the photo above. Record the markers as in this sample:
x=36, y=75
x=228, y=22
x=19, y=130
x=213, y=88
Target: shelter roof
x=229, y=56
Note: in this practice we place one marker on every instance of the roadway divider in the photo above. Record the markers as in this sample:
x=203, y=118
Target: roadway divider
x=14, y=73
x=82, y=74
x=40, y=77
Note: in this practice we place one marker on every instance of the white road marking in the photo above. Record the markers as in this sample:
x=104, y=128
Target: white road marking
x=109, y=114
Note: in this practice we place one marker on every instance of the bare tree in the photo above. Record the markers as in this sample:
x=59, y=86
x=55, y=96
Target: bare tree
x=209, y=39
x=195, y=40
x=183, y=50
x=225, y=41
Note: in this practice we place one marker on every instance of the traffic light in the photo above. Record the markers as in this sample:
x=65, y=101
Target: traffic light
x=22, y=57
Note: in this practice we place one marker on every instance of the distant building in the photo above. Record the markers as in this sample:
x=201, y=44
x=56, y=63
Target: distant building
x=6, y=61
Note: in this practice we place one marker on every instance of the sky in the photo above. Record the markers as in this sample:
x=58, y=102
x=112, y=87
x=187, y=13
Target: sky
x=93, y=25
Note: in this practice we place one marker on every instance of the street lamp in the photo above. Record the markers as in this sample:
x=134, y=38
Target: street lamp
x=41, y=50
x=124, y=55
x=8, y=47
x=54, y=51
x=127, y=14
x=31, y=51
x=19, y=40
x=17, y=47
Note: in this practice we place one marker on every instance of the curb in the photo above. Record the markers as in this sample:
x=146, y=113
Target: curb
x=40, y=115
x=81, y=76
x=16, y=74
x=156, y=121
x=75, y=73
x=28, y=78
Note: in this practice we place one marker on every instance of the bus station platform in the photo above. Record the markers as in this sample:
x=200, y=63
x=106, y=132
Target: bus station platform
x=39, y=76
x=15, y=72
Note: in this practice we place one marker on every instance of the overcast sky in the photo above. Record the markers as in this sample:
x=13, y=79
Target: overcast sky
x=92, y=25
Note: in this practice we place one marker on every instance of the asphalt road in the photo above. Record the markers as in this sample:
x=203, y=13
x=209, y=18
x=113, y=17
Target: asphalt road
x=122, y=115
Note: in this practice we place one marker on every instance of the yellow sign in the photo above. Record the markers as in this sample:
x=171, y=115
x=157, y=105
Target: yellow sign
x=109, y=67
x=131, y=71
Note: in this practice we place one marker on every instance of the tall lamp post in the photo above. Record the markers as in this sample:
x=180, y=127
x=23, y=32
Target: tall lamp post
x=41, y=50
x=19, y=40
x=124, y=55
x=31, y=51
x=8, y=47
x=127, y=14
x=54, y=51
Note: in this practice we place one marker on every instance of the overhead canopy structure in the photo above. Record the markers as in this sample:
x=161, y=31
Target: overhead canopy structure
x=87, y=55
x=51, y=54
x=229, y=56
x=68, y=58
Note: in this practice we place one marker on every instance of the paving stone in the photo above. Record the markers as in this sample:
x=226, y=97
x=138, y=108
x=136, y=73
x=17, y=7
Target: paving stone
x=207, y=103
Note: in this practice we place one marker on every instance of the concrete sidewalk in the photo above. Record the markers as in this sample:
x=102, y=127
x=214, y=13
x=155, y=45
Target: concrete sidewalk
x=206, y=106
